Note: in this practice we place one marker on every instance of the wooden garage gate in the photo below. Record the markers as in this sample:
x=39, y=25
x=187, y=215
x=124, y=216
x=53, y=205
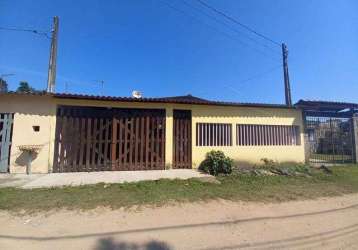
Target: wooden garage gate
x=182, y=139
x=101, y=139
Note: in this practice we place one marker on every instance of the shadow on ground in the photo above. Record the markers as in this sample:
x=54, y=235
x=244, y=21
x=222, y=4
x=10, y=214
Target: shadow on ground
x=111, y=244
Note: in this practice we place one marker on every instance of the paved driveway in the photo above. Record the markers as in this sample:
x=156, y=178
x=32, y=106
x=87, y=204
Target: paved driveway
x=83, y=178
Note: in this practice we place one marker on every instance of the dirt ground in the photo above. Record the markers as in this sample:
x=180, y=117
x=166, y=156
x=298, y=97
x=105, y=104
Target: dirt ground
x=328, y=223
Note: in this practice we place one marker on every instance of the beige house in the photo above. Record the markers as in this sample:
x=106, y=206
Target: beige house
x=95, y=133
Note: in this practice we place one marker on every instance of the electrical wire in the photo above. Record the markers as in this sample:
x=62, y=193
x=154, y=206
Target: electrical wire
x=37, y=32
x=219, y=31
x=229, y=26
x=237, y=22
x=256, y=76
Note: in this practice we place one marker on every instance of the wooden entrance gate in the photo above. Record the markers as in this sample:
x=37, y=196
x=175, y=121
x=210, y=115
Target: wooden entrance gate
x=138, y=140
x=6, y=121
x=182, y=139
x=101, y=139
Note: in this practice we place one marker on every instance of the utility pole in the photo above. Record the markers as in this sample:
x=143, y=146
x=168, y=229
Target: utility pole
x=51, y=80
x=286, y=76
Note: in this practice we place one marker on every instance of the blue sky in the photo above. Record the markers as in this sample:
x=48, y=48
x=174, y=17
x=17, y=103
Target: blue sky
x=146, y=45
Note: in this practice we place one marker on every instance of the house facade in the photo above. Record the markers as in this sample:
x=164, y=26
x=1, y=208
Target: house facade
x=76, y=133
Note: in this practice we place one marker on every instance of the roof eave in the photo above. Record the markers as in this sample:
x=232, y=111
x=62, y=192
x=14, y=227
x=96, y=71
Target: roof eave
x=152, y=100
x=162, y=100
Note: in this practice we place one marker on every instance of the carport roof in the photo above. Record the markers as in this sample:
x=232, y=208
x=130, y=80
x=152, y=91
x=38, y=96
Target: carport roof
x=325, y=105
x=327, y=108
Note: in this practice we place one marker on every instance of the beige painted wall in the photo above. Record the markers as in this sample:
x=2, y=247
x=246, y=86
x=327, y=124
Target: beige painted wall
x=41, y=110
x=245, y=115
x=30, y=111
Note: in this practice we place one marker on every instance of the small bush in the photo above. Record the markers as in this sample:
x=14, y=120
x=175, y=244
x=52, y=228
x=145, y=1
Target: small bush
x=216, y=163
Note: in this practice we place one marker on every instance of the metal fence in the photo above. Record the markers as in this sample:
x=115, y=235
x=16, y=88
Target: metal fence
x=330, y=139
x=6, y=121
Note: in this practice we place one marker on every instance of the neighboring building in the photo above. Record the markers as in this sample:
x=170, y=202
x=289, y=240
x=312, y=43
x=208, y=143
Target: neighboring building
x=97, y=133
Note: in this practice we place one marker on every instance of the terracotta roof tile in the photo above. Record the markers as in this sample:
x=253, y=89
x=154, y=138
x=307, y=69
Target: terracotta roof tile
x=187, y=99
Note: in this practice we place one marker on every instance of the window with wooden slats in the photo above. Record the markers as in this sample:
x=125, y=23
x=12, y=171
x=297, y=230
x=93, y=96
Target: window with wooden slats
x=213, y=134
x=267, y=135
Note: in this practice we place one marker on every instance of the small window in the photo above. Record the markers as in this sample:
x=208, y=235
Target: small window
x=36, y=128
x=213, y=134
x=267, y=135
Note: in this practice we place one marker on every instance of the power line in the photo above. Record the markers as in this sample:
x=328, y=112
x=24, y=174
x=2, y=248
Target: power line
x=88, y=84
x=261, y=74
x=237, y=22
x=217, y=30
x=256, y=76
x=229, y=26
x=37, y=32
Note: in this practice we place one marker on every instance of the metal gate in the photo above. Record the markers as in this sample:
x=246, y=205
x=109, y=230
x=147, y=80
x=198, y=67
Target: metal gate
x=101, y=139
x=330, y=139
x=182, y=139
x=6, y=121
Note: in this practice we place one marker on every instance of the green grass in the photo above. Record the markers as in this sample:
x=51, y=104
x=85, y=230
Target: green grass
x=344, y=180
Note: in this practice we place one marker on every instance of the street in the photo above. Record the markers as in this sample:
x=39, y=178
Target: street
x=327, y=223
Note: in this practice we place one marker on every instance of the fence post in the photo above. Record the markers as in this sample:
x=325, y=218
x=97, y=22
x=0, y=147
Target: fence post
x=306, y=143
x=355, y=137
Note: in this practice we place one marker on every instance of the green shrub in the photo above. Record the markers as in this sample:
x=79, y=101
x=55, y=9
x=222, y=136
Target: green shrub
x=216, y=163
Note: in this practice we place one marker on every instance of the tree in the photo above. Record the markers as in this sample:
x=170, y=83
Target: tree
x=3, y=86
x=24, y=87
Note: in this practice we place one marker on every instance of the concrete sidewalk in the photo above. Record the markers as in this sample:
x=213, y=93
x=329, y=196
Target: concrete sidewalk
x=85, y=178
